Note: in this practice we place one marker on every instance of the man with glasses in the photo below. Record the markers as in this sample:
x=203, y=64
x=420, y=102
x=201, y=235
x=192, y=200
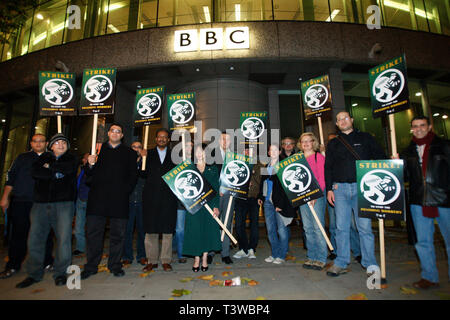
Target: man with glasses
x=18, y=199
x=55, y=176
x=288, y=147
x=113, y=177
x=135, y=216
x=340, y=179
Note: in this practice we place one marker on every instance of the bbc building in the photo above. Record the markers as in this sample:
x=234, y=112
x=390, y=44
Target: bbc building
x=236, y=55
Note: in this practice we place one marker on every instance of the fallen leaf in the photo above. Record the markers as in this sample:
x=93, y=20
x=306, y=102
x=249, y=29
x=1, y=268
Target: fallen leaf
x=408, y=290
x=217, y=263
x=6, y=259
x=384, y=286
x=125, y=266
x=81, y=267
x=104, y=256
x=171, y=299
x=289, y=257
x=186, y=279
x=145, y=274
x=37, y=290
x=443, y=295
x=357, y=296
x=180, y=292
x=227, y=273
x=208, y=278
x=260, y=298
x=214, y=283
x=249, y=265
x=245, y=280
x=228, y=267
x=253, y=283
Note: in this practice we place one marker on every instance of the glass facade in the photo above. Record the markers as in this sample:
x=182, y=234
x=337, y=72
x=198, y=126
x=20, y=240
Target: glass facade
x=59, y=21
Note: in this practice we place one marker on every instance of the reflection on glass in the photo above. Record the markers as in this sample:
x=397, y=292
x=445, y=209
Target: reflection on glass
x=147, y=14
x=245, y=10
x=179, y=12
x=120, y=17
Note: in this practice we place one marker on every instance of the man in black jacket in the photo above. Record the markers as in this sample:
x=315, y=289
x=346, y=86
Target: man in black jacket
x=427, y=168
x=54, y=195
x=113, y=175
x=340, y=180
x=18, y=199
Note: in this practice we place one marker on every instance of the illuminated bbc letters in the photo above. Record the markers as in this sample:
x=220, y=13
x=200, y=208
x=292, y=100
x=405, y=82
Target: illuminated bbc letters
x=211, y=39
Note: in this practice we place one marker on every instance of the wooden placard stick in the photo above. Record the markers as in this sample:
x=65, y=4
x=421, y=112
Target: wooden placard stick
x=220, y=224
x=321, y=227
x=59, y=124
x=144, y=158
x=94, y=134
x=230, y=200
x=319, y=122
x=183, y=145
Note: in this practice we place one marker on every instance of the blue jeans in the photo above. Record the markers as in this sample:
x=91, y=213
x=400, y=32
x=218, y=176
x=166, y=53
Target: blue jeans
x=277, y=232
x=80, y=224
x=425, y=240
x=317, y=246
x=45, y=216
x=135, y=215
x=179, y=232
x=354, y=236
x=346, y=199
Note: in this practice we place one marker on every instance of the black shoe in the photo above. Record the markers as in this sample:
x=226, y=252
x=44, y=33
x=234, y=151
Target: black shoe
x=182, y=260
x=60, y=281
x=209, y=259
x=227, y=260
x=119, y=273
x=195, y=269
x=86, y=274
x=332, y=256
x=358, y=259
x=7, y=273
x=204, y=269
x=49, y=267
x=77, y=253
x=26, y=283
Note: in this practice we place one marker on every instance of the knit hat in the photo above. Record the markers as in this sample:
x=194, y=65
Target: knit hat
x=56, y=137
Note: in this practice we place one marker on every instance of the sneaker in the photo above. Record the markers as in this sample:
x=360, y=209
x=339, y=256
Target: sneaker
x=251, y=254
x=335, y=271
x=318, y=265
x=240, y=254
x=308, y=264
x=269, y=259
x=278, y=261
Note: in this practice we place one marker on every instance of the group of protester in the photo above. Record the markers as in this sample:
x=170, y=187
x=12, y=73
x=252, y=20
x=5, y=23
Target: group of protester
x=112, y=186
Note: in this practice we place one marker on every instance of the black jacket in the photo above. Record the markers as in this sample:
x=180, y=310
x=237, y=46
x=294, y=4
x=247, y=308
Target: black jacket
x=58, y=182
x=279, y=198
x=435, y=190
x=112, y=179
x=340, y=164
x=19, y=177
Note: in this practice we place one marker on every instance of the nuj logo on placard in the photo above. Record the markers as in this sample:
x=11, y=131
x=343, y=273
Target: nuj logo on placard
x=57, y=91
x=237, y=173
x=380, y=187
x=181, y=111
x=316, y=96
x=388, y=85
x=252, y=128
x=189, y=184
x=296, y=177
x=98, y=89
x=148, y=105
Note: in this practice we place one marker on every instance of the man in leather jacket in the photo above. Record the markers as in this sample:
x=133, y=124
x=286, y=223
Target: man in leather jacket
x=427, y=168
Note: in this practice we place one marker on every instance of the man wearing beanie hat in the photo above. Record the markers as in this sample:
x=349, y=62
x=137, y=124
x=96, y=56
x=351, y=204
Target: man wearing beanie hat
x=54, y=195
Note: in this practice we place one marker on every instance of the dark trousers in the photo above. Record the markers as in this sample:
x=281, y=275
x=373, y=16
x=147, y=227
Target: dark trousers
x=241, y=208
x=95, y=231
x=19, y=215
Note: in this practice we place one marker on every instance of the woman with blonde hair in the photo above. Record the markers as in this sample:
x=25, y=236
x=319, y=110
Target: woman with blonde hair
x=317, y=247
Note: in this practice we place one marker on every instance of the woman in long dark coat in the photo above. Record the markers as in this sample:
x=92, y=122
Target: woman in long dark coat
x=201, y=231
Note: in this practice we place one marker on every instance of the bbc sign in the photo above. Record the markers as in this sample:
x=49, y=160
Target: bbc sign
x=211, y=39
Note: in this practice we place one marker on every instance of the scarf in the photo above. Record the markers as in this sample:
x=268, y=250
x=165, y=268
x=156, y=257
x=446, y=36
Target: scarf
x=429, y=212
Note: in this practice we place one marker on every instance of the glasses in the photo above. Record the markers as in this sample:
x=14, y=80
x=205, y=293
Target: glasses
x=343, y=119
x=136, y=147
x=287, y=143
x=115, y=130
x=60, y=142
